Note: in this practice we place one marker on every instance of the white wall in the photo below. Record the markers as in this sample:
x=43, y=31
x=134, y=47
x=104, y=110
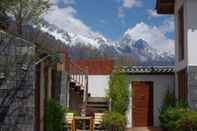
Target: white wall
x=191, y=6
x=98, y=84
x=161, y=83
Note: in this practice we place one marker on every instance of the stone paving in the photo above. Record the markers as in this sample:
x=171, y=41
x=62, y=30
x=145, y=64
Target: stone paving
x=144, y=129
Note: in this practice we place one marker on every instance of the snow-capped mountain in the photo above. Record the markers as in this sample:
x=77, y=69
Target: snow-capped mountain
x=139, y=50
x=72, y=39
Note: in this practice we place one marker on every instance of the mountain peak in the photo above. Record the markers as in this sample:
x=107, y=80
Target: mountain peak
x=141, y=44
x=140, y=49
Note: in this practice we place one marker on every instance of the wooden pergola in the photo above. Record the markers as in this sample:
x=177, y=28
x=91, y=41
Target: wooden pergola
x=165, y=6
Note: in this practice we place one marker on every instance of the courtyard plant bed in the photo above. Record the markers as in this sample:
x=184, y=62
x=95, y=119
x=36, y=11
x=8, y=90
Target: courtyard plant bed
x=176, y=116
x=114, y=121
x=118, y=94
x=54, y=116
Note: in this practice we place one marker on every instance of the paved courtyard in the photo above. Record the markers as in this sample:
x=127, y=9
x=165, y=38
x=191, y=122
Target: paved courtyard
x=144, y=129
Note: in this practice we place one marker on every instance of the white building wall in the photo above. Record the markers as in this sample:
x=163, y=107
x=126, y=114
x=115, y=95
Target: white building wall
x=191, y=17
x=161, y=84
x=98, y=85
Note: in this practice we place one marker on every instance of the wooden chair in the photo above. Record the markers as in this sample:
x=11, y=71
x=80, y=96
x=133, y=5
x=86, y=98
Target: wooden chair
x=69, y=117
x=98, y=119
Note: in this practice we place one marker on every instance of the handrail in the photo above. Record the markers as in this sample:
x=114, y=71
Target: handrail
x=80, y=77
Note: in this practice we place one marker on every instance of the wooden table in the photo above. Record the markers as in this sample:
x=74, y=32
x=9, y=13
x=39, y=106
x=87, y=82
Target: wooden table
x=84, y=118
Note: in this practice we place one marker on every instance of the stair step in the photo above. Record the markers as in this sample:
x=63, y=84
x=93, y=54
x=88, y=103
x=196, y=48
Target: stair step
x=98, y=105
x=98, y=109
x=72, y=84
x=97, y=100
x=77, y=88
x=104, y=103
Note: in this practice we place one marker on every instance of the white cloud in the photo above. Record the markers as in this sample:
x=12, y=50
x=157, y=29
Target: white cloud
x=168, y=25
x=153, y=35
x=131, y=3
x=65, y=18
x=68, y=2
x=153, y=13
x=127, y=4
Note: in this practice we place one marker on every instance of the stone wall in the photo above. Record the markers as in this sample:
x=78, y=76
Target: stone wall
x=192, y=86
x=16, y=83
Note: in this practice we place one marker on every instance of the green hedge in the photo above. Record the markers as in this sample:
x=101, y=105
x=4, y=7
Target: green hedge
x=54, y=116
x=178, y=119
x=170, y=117
x=114, y=121
x=188, y=122
x=176, y=116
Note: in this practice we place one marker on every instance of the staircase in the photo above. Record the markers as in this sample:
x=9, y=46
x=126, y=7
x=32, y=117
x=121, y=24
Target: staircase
x=78, y=88
x=79, y=96
x=97, y=104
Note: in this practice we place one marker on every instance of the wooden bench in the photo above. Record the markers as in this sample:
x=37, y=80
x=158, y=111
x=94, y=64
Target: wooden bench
x=98, y=119
x=69, y=117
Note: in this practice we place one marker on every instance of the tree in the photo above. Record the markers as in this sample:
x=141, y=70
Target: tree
x=17, y=72
x=54, y=116
x=119, y=92
x=24, y=11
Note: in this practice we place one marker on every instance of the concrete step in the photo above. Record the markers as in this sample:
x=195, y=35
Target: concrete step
x=97, y=100
x=98, y=104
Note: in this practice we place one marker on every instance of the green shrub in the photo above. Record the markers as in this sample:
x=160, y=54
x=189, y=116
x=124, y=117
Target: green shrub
x=114, y=121
x=188, y=122
x=118, y=92
x=171, y=113
x=181, y=104
x=169, y=100
x=170, y=116
x=54, y=116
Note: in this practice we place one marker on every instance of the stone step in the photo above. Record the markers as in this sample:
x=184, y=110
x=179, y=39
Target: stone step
x=97, y=100
x=98, y=105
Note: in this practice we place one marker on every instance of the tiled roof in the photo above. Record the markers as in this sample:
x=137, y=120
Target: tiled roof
x=148, y=69
x=95, y=66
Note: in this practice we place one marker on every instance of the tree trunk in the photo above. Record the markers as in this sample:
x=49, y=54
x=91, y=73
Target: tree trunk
x=19, y=27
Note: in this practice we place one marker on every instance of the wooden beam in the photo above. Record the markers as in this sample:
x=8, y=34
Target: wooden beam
x=165, y=6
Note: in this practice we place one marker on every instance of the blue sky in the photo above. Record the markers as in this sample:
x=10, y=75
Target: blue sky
x=102, y=16
x=112, y=18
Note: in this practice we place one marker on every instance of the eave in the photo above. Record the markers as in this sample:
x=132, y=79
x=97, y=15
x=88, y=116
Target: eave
x=165, y=6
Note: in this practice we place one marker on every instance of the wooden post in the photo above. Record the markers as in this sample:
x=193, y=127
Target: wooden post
x=91, y=124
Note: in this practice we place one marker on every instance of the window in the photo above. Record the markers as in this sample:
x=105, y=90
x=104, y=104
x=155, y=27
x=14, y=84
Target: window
x=182, y=84
x=181, y=51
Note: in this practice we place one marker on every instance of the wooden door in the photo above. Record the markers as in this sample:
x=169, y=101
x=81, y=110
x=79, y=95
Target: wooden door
x=142, y=104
